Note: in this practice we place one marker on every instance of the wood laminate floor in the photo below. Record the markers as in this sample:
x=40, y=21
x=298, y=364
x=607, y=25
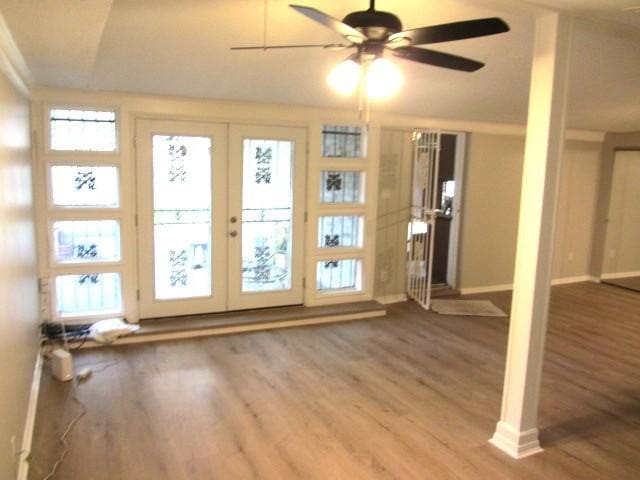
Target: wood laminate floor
x=412, y=395
x=632, y=283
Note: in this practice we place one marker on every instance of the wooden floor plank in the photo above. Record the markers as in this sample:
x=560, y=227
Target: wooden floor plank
x=413, y=395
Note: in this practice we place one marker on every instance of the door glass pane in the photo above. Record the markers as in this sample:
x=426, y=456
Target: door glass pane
x=86, y=241
x=267, y=201
x=88, y=294
x=340, y=231
x=84, y=186
x=341, y=187
x=182, y=216
x=339, y=274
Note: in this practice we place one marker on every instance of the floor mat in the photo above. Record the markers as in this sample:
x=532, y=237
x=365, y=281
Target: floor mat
x=479, y=308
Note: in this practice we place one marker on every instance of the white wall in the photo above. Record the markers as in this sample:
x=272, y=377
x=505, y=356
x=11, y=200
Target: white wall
x=18, y=280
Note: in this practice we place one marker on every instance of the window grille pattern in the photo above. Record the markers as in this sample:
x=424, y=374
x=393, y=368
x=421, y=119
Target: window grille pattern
x=339, y=274
x=84, y=186
x=339, y=231
x=88, y=294
x=267, y=209
x=342, y=141
x=83, y=130
x=84, y=241
x=182, y=216
x=341, y=187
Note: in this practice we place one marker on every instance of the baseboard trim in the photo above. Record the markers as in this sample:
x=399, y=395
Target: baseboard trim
x=577, y=279
x=515, y=443
x=252, y=327
x=387, y=299
x=487, y=289
x=612, y=276
x=30, y=420
x=555, y=281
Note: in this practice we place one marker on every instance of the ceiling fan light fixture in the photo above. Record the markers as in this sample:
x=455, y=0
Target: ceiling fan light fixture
x=344, y=77
x=383, y=79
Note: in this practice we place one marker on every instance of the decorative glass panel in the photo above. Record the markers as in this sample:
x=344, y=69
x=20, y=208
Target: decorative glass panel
x=83, y=130
x=340, y=231
x=88, y=294
x=84, y=186
x=182, y=216
x=267, y=202
x=339, y=274
x=86, y=241
x=341, y=141
x=341, y=187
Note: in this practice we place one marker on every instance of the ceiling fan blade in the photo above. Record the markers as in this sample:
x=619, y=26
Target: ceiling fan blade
x=452, y=31
x=334, y=24
x=438, y=59
x=332, y=46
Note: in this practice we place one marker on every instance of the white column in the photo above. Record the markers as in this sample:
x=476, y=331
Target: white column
x=516, y=432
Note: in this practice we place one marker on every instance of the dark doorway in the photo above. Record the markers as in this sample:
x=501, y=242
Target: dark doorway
x=446, y=192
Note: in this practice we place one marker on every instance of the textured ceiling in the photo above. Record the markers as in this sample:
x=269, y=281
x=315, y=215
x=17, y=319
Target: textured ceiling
x=182, y=48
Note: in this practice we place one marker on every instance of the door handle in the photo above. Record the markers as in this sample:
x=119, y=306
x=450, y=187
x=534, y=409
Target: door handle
x=233, y=233
x=233, y=219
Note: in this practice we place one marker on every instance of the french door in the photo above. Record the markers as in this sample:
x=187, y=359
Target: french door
x=220, y=216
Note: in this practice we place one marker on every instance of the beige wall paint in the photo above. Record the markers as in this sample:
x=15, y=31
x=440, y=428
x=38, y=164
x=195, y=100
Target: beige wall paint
x=490, y=206
x=612, y=143
x=575, y=219
x=394, y=197
x=18, y=280
x=622, y=245
x=490, y=201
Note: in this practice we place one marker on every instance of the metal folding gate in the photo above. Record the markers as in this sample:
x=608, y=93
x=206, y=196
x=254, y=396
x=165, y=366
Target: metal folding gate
x=420, y=241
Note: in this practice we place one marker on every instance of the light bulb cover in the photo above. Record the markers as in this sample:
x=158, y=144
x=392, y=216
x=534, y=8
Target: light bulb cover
x=384, y=79
x=344, y=77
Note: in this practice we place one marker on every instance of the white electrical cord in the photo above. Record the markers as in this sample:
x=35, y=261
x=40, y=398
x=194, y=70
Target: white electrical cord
x=83, y=375
x=63, y=438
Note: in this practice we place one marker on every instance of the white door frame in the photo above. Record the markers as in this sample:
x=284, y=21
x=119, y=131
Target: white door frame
x=226, y=186
x=149, y=307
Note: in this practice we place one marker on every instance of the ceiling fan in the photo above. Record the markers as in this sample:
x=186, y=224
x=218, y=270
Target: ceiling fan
x=372, y=32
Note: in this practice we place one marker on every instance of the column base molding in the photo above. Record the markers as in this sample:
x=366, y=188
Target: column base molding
x=514, y=443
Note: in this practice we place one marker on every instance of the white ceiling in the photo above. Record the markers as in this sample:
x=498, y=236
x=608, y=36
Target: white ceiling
x=182, y=48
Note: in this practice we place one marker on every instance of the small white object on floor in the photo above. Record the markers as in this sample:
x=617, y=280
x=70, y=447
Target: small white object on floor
x=106, y=331
x=84, y=374
x=62, y=365
x=477, y=308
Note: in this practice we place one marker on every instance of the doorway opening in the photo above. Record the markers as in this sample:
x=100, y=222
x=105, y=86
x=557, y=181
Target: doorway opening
x=432, y=242
x=448, y=191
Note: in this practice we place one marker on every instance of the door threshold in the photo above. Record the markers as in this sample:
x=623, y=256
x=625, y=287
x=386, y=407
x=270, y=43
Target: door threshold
x=160, y=329
x=438, y=291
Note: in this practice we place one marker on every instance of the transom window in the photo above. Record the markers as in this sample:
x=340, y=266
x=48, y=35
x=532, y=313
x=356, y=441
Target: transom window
x=83, y=130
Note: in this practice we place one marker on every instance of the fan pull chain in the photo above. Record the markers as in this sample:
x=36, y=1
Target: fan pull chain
x=363, y=98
